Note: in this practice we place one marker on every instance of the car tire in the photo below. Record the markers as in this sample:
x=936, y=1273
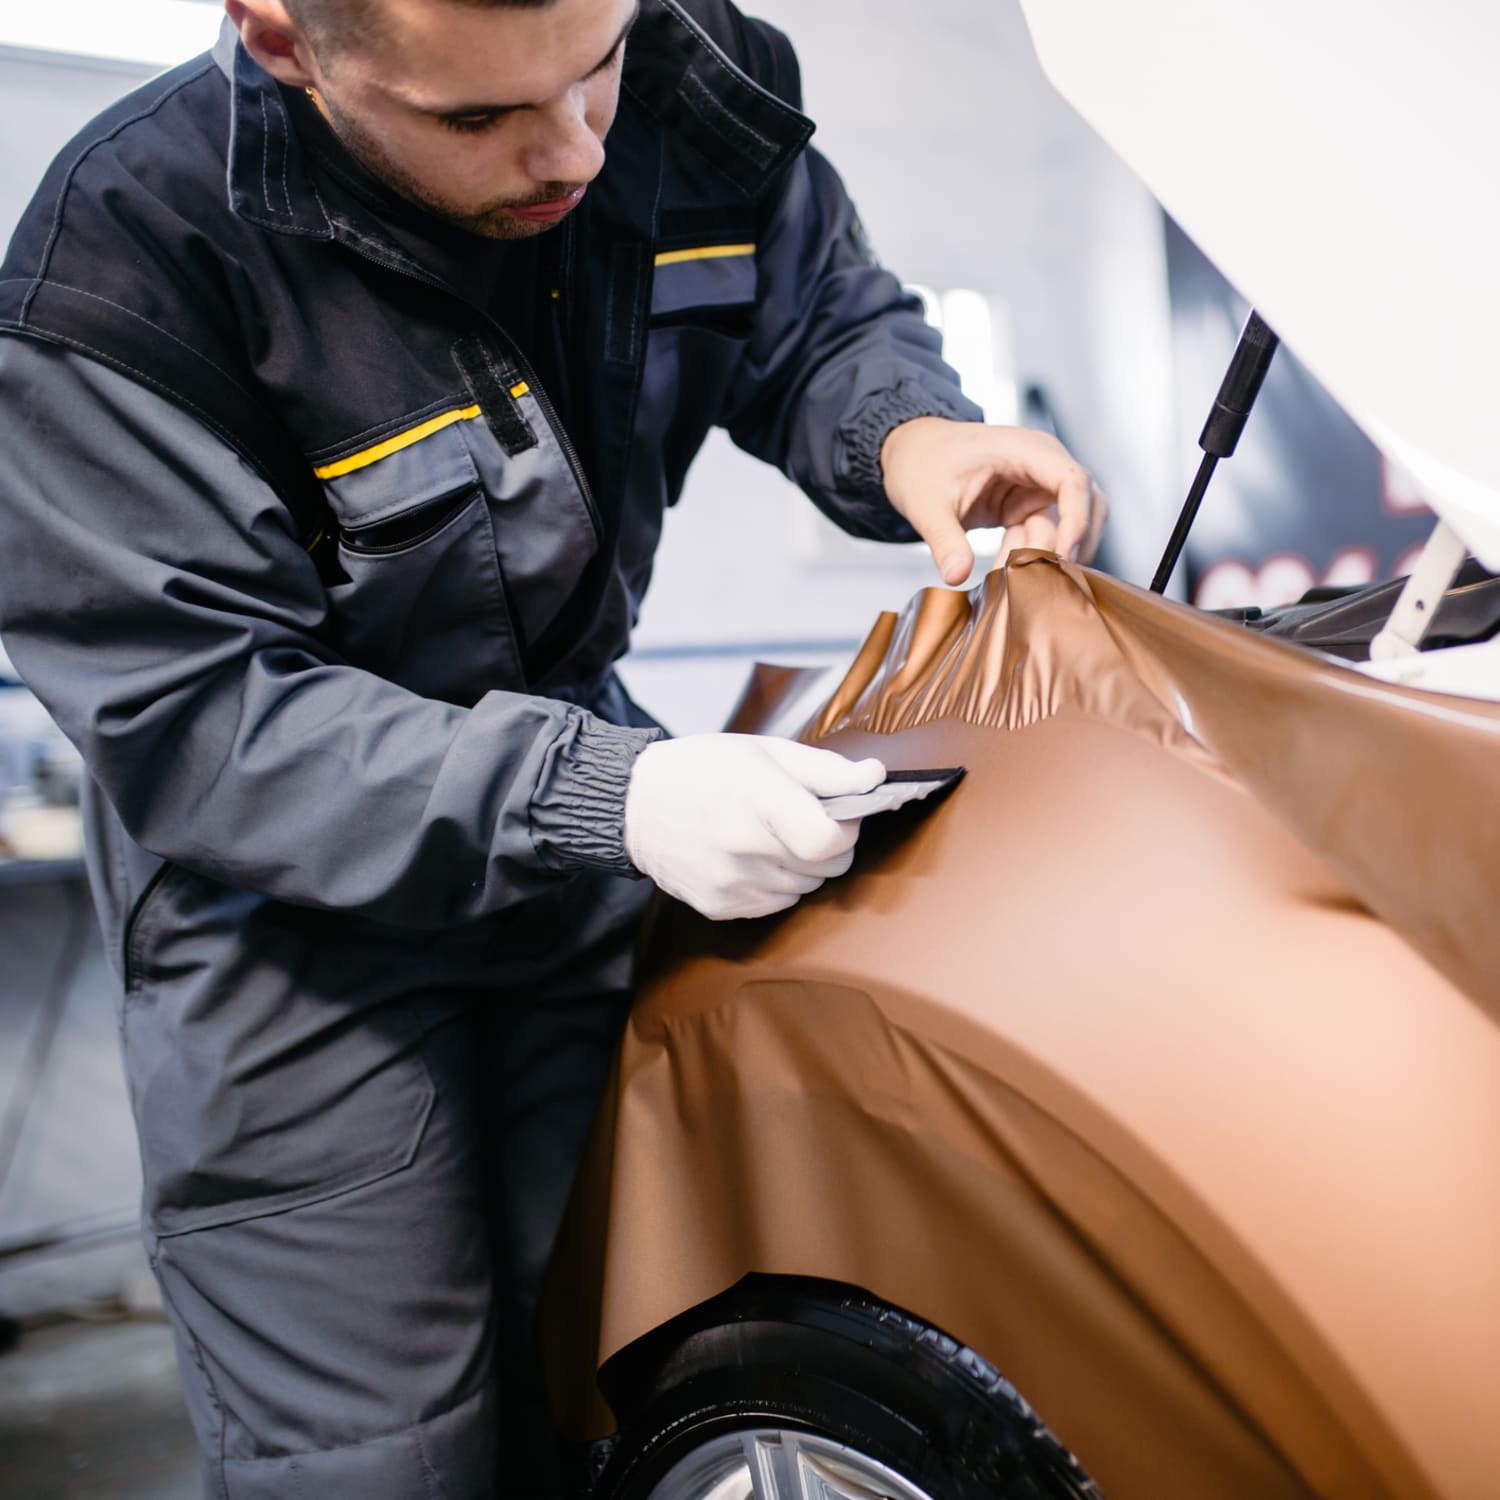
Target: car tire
x=786, y=1387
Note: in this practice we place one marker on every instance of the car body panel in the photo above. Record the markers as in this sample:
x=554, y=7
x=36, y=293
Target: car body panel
x=1158, y=1062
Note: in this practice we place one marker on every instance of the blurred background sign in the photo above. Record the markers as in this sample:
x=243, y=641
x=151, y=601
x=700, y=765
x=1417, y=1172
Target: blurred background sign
x=1308, y=499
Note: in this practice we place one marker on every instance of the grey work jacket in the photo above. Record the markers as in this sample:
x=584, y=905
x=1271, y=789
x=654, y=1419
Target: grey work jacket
x=360, y=783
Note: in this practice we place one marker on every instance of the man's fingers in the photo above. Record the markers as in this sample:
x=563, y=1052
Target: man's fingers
x=825, y=773
x=948, y=542
x=818, y=869
x=1075, y=509
x=1038, y=531
x=999, y=476
x=1046, y=531
x=806, y=832
x=951, y=553
x=1096, y=527
x=779, y=879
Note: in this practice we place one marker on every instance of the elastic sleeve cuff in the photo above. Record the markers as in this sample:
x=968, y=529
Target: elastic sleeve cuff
x=863, y=436
x=578, y=813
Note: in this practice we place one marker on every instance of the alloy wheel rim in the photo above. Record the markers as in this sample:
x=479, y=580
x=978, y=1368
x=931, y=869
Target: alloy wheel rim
x=776, y=1464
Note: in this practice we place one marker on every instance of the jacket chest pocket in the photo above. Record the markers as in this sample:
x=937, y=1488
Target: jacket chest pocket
x=703, y=303
x=710, y=287
x=424, y=604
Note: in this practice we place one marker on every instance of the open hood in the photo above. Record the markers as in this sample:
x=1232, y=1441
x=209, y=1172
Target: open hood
x=1336, y=161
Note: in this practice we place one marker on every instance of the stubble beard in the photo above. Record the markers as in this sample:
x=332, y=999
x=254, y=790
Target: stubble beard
x=495, y=222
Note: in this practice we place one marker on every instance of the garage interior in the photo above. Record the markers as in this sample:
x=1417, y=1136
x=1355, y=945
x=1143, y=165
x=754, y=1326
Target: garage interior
x=1067, y=299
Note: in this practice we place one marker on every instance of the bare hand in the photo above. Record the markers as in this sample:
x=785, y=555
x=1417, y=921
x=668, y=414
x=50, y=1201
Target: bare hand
x=947, y=478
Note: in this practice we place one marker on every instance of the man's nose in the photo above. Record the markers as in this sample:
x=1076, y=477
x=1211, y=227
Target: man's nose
x=564, y=147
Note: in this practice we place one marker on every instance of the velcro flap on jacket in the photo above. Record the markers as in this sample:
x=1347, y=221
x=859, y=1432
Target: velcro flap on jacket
x=719, y=275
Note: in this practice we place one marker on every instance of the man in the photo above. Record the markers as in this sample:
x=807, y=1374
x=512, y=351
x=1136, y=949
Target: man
x=347, y=383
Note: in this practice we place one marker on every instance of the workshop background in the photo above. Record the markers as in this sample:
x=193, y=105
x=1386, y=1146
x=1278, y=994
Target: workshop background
x=1066, y=298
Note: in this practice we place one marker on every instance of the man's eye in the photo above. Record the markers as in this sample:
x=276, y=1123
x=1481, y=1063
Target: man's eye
x=470, y=124
x=612, y=61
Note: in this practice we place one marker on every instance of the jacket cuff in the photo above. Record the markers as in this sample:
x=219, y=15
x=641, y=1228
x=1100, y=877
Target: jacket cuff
x=578, y=813
x=878, y=416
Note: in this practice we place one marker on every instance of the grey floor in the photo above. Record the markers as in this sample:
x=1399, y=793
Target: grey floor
x=93, y=1411
x=90, y=1405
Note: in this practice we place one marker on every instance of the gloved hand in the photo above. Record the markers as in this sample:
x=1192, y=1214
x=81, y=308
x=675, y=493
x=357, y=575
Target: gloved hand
x=731, y=823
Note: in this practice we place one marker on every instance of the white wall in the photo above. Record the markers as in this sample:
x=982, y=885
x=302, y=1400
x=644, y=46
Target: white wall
x=43, y=101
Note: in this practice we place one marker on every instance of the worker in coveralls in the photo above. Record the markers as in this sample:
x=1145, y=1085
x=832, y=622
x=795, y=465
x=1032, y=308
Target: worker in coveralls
x=346, y=379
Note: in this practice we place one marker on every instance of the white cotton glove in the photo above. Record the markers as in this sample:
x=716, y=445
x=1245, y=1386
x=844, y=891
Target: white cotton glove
x=732, y=825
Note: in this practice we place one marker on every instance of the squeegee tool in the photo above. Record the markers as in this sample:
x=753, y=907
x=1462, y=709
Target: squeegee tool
x=899, y=789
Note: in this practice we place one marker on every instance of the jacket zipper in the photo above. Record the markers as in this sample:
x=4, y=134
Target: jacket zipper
x=523, y=365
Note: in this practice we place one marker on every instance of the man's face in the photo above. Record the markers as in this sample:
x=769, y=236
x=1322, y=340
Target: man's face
x=491, y=117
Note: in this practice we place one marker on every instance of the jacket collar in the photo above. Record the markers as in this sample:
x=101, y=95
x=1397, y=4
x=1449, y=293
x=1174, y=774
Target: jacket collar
x=268, y=181
x=675, y=71
x=683, y=78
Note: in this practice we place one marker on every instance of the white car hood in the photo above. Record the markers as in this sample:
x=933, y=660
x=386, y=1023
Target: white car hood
x=1336, y=161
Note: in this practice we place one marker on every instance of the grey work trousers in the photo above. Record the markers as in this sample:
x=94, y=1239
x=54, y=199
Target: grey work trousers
x=379, y=1344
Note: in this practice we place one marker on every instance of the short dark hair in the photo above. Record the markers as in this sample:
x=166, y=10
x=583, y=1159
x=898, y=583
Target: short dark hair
x=333, y=25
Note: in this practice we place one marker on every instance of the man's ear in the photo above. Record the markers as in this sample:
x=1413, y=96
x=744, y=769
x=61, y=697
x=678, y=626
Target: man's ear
x=274, y=40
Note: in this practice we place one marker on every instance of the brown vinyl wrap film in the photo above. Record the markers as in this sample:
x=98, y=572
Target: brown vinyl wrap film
x=1159, y=1063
